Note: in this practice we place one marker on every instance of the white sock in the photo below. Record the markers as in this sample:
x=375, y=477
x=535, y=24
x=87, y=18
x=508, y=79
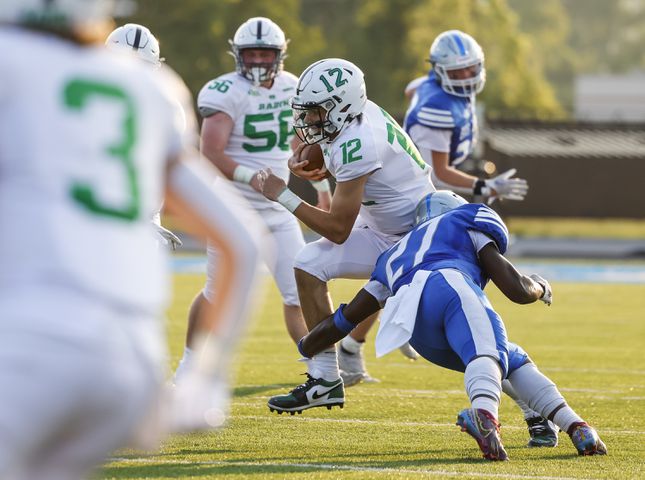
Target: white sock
x=324, y=365
x=507, y=388
x=541, y=394
x=351, y=345
x=483, y=380
x=183, y=363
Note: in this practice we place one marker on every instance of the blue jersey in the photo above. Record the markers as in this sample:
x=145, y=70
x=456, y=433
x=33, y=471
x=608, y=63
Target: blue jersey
x=432, y=107
x=442, y=242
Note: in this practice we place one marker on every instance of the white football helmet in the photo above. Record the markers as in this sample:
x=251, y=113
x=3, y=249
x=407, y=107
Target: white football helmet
x=62, y=13
x=454, y=50
x=437, y=203
x=259, y=32
x=137, y=39
x=329, y=95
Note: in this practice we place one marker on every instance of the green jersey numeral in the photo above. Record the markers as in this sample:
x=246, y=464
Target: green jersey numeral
x=340, y=81
x=75, y=96
x=271, y=138
x=395, y=131
x=221, y=86
x=350, y=149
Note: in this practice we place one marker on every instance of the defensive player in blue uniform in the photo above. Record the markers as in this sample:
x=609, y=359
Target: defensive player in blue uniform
x=433, y=281
x=442, y=122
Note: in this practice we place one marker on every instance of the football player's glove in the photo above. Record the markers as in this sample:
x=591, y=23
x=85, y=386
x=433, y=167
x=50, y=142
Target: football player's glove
x=168, y=236
x=547, y=296
x=506, y=188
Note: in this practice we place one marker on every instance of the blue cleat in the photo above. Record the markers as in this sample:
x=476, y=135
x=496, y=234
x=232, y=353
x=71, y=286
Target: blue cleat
x=586, y=440
x=484, y=428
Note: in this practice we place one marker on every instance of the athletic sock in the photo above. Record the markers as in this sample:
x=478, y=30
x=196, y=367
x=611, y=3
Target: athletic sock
x=351, y=345
x=541, y=394
x=325, y=365
x=183, y=363
x=508, y=389
x=483, y=380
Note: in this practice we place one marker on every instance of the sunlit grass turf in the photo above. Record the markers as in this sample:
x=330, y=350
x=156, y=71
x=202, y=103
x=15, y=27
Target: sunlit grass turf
x=590, y=343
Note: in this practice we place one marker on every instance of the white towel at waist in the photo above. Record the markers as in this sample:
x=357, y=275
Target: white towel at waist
x=399, y=315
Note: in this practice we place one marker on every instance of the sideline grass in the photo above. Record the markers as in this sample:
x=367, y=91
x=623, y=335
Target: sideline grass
x=590, y=343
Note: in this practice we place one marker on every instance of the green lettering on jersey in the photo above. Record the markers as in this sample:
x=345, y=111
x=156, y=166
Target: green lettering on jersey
x=75, y=96
x=270, y=138
x=395, y=131
x=220, y=85
x=350, y=149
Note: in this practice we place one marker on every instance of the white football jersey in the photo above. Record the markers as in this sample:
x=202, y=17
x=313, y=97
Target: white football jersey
x=374, y=143
x=263, y=130
x=84, y=140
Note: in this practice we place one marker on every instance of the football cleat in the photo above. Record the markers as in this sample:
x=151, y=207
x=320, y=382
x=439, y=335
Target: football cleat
x=315, y=392
x=350, y=379
x=409, y=352
x=484, y=428
x=586, y=440
x=543, y=433
x=352, y=364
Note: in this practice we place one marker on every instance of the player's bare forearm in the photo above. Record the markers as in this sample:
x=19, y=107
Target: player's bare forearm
x=331, y=329
x=517, y=287
x=331, y=225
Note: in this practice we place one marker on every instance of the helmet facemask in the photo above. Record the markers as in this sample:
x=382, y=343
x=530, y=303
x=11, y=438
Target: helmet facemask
x=258, y=72
x=312, y=122
x=461, y=87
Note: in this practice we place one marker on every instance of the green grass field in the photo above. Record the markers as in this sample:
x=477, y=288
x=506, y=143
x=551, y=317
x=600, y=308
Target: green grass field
x=590, y=343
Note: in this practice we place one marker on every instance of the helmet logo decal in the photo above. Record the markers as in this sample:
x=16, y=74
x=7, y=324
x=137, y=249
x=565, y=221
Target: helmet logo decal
x=340, y=81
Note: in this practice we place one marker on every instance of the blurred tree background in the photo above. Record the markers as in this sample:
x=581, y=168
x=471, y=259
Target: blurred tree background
x=534, y=49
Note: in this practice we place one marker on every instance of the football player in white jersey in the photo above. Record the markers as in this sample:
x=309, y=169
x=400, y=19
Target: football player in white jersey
x=138, y=40
x=86, y=152
x=380, y=178
x=247, y=126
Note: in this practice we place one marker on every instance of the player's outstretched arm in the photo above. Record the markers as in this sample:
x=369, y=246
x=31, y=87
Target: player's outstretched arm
x=338, y=325
x=517, y=287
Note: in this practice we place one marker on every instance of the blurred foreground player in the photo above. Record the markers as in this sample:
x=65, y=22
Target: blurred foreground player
x=86, y=152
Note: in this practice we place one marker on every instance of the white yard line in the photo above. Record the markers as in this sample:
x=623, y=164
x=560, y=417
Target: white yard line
x=347, y=468
x=359, y=421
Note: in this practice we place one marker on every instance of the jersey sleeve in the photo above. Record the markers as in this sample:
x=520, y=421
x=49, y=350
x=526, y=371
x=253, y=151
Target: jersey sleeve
x=353, y=158
x=221, y=95
x=436, y=112
x=379, y=291
x=479, y=239
x=487, y=221
x=434, y=139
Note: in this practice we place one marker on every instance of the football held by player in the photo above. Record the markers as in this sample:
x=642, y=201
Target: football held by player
x=380, y=177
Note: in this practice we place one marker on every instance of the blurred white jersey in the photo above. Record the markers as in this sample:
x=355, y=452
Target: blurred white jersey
x=262, y=133
x=375, y=143
x=75, y=205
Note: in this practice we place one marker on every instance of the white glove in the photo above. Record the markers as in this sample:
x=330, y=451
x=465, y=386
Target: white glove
x=199, y=402
x=547, y=296
x=506, y=188
x=168, y=236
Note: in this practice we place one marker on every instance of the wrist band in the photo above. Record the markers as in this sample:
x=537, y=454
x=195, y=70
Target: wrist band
x=322, y=185
x=243, y=174
x=289, y=200
x=478, y=187
x=341, y=322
